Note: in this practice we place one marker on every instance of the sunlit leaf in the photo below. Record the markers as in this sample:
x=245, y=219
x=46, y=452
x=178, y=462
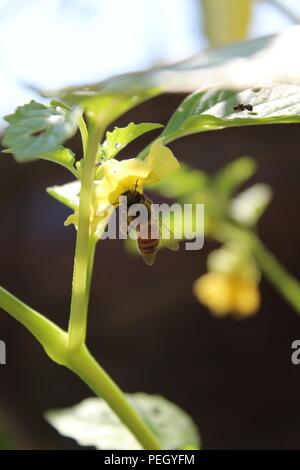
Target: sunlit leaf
x=248, y=64
x=92, y=423
x=63, y=156
x=202, y=112
x=122, y=136
x=81, y=124
x=35, y=129
x=67, y=194
x=238, y=66
x=107, y=100
x=249, y=205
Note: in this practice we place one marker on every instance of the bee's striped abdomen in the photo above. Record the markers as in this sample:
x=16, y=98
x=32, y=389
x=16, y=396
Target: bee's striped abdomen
x=148, y=246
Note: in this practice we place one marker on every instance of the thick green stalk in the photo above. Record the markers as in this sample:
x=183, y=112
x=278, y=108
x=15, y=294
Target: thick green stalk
x=82, y=264
x=78, y=359
x=283, y=281
x=52, y=338
x=90, y=266
x=86, y=367
x=54, y=341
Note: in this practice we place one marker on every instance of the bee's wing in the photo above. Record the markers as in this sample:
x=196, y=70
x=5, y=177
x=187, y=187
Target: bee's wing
x=171, y=243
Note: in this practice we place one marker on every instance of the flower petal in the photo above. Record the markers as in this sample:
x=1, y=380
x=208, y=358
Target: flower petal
x=161, y=162
x=115, y=171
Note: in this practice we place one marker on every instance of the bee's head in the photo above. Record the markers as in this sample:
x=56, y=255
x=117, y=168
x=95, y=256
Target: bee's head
x=134, y=197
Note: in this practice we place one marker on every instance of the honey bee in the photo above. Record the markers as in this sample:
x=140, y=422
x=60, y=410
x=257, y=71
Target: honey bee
x=147, y=243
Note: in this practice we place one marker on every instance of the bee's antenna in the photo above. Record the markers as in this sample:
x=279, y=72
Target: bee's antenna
x=136, y=185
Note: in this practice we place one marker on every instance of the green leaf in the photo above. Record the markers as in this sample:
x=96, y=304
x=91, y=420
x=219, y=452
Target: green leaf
x=92, y=423
x=230, y=177
x=181, y=183
x=35, y=129
x=82, y=125
x=248, y=206
x=238, y=66
x=63, y=156
x=106, y=101
x=202, y=112
x=48, y=334
x=67, y=194
x=122, y=136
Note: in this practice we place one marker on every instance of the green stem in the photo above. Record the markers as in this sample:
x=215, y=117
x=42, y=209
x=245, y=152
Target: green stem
x=90, y=266
x=82, y=264
x=52, y=338
x=78, y=358
x=84, y=134
x=54, y=341
x=282, y=280
x=86, y=367
x=286, y=284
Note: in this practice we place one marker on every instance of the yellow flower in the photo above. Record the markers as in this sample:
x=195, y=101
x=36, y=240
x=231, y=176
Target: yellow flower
x=227, y=294
x=121, y=176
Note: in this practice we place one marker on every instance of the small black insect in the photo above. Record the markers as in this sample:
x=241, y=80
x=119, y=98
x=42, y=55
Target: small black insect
x=243, y=107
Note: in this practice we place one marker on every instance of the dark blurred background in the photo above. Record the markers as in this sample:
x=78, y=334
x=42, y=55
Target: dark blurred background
x=234, y=377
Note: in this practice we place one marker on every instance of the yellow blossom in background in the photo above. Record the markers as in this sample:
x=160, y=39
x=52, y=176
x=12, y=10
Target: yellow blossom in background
x=226, y=21
x=226, y=294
